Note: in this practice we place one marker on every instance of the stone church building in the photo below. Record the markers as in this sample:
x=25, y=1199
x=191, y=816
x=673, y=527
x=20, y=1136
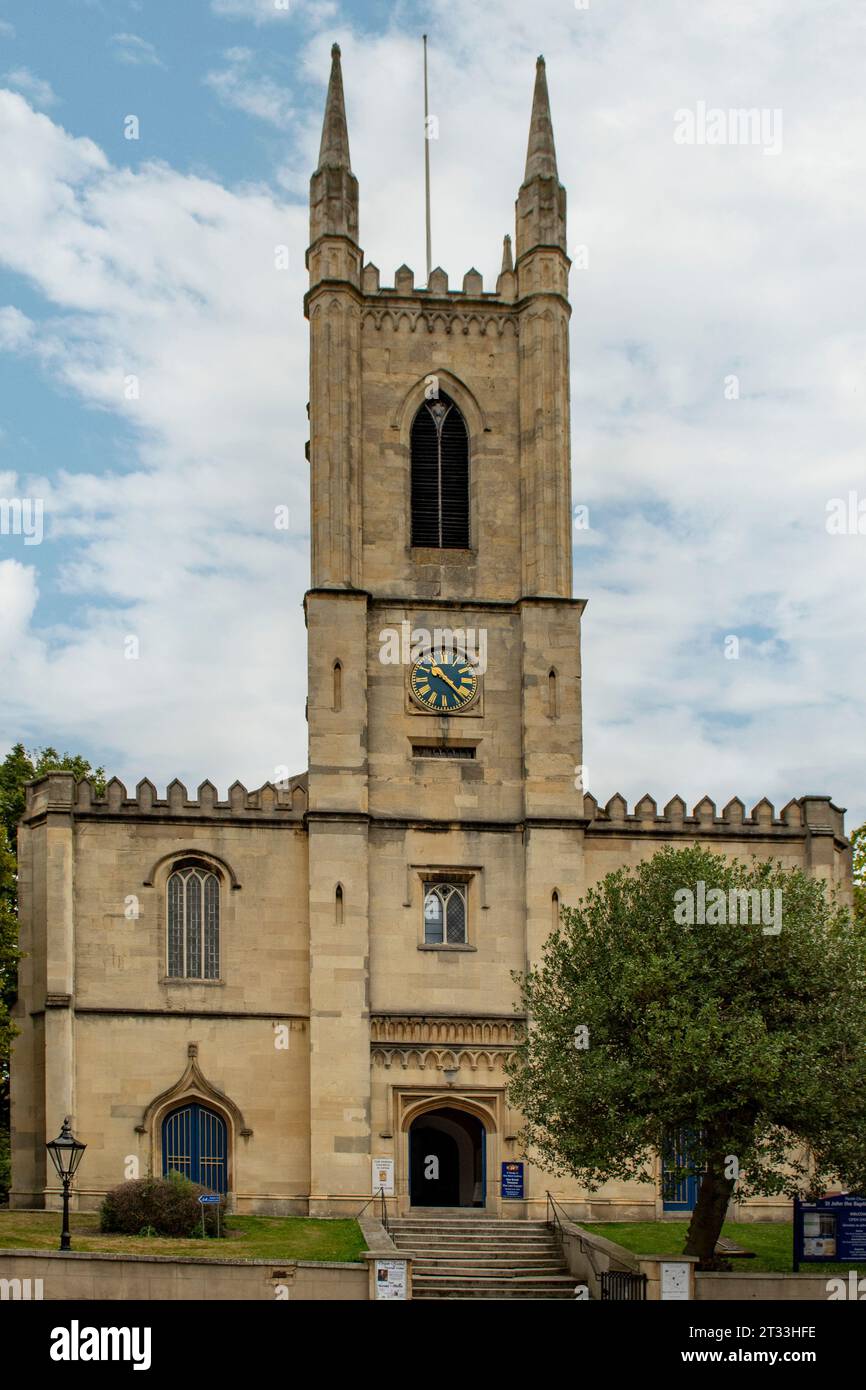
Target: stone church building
x=297, y=993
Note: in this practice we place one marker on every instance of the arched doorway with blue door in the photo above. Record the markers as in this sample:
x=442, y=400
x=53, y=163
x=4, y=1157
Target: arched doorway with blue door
x=680, y=1187
x=447, y=1159
x=195, y=1143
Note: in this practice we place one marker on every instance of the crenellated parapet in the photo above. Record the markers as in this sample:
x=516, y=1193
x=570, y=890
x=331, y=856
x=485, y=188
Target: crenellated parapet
x=437, y=307
x=61, y=792
x=804, y=815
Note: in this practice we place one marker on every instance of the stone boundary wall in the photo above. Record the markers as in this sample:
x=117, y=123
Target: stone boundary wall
x=77, y=1275
x=775, y=1288
x=588, y=1256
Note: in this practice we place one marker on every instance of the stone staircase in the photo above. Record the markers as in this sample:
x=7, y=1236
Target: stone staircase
x=477, y=1256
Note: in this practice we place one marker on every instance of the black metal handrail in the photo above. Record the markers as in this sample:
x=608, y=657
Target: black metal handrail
x=586, y=1250
x=383, y=1215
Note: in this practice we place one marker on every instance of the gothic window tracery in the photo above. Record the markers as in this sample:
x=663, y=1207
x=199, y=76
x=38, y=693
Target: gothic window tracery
x=193, y=918
x=445, y=914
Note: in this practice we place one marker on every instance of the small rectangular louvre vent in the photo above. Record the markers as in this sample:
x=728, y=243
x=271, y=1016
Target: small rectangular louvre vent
x=439, y=750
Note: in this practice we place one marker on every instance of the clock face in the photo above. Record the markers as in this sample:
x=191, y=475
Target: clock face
x=443, y=682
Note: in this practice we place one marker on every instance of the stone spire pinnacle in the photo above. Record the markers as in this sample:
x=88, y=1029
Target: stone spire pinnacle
x=334, y=149
x=541, y=200
x=333, y=187
x=540, y=151
x=507, y=258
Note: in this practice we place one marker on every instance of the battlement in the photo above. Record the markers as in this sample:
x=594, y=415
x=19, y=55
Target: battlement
x=438, y=307
x=60, y=791
x=814, y=815
x=437, y=286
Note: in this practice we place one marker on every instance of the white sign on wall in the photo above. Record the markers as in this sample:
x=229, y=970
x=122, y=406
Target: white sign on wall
x=391, y=1279
x=383, y=1175
x=675, y=1282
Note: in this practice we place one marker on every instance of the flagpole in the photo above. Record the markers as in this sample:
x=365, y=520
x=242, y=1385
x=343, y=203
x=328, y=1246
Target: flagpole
x=427, y=165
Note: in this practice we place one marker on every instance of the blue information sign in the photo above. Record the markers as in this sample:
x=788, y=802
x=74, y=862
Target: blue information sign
x=209, y=1199
x=512, y=1179
x=831, y=1229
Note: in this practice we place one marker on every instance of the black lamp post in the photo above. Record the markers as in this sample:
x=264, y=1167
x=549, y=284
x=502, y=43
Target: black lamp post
x=66, y=1153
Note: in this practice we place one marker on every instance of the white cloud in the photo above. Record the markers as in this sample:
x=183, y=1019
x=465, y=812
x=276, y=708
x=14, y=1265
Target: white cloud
x=40, y=92
x=260, y=11
x=132, y=49
x=238, y=86
x=172, y=278
x=708, y=515
x=7, y=30
x=16, y=329
x=269, y=11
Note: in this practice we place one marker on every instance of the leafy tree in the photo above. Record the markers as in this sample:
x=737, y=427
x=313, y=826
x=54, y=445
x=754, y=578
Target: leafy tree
x=858, y=847
x=16, y=769
x=20, y=767
x=750, y=1040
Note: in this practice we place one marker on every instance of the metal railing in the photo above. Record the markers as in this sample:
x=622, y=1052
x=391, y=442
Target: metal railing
x=622, y=1286
x=383, y=1208
x=556, y=1207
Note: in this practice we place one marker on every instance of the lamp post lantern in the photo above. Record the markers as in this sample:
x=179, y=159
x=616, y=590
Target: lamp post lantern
x=66, y=1153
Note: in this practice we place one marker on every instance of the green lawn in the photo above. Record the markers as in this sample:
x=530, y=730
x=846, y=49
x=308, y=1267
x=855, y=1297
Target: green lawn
x=249, y=1237
x=771, y=1241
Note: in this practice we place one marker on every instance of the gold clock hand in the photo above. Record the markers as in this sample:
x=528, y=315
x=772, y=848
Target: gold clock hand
x=437, y=671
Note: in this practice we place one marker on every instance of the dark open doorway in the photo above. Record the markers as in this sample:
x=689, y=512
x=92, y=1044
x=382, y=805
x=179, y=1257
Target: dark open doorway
x=446, y=1159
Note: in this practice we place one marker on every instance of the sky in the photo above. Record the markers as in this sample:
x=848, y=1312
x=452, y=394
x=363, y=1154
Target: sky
x=153, y=363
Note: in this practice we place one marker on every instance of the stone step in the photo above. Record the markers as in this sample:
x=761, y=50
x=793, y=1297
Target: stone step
x=440, y=1238
x=426, y=1242
x=462, y=1295
x=531, y=1280
x=486, y=1271
x=516, y=1257
x=495, y=1223
x=469, y=1256
x=455, y=1294
x=463, y=1232
x=551, y=1283
x=455, y=1213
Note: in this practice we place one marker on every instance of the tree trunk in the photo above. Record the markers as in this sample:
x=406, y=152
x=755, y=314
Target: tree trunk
x=709, y=1214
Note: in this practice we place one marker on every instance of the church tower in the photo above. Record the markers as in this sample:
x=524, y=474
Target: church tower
x=445, y=815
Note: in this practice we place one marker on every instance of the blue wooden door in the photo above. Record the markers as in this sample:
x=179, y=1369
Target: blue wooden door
x=194, y=1143
x=679, y=1192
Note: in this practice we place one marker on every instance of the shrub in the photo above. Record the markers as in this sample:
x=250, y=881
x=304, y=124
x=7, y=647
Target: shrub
x=161, y=1206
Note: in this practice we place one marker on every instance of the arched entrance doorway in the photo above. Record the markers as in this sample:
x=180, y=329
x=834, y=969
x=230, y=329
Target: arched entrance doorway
x=447, y=1152
x=194, y=1143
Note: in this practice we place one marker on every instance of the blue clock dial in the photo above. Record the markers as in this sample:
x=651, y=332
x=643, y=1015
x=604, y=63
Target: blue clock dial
x=443, y=682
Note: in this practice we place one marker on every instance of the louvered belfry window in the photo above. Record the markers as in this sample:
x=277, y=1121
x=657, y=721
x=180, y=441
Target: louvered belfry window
x=440, y=475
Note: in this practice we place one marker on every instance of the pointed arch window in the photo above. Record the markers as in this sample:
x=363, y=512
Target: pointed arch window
x=552, y=694
x=193, y=922
x=440, y=475
x=445, y=914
